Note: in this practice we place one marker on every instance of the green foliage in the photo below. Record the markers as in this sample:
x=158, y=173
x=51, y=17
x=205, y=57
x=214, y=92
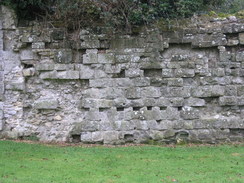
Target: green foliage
x=117, y=13
x=28, y=9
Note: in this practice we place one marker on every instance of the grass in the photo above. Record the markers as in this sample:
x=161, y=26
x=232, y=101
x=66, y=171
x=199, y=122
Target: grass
x=36, y=163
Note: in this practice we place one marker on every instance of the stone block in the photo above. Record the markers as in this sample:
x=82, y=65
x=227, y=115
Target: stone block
x=68, y=75
x=189, y=113
x=26, y=55
x=97, y=136
x=49, y=75
x=240, y=56
x=241, y=38
x=175, y=82
x=208, y=91
x=184, y=73
x=167, y=73
x=176, y=102
x=86, y=72
x=28, y=72
x=132, y=73
x=141, y=82
x=111, y=137
x=90, y=44
x=38, y=45
x=133, y=93
x=90, y=58
x=150, y=92
x=231, y=90
x=194, y=102
x=63, y=56
x=63, y=67
x=96, y=103
x=240, y=90
x=106, y=58
x=17, y=85
x=227, y=101
x=47, y=103
x=45, y=67
x=123, y=82
x=171, y=113
x=86, y=137
x=176, y=91
x=101, y=83
x=206, y=40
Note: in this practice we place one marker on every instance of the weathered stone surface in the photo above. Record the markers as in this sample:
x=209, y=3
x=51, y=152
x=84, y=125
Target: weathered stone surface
x=63, y=56
x=113, y=89
x=241, y=38
x=47, y=103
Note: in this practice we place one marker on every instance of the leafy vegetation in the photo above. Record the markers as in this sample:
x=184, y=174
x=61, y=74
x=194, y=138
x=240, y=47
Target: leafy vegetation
x=118, y=13
x=21, y=162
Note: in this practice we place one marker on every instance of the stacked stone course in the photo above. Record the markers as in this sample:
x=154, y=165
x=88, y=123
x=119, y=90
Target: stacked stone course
x=157, y=86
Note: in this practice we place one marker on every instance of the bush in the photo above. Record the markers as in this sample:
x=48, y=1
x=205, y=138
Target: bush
x=117, y=13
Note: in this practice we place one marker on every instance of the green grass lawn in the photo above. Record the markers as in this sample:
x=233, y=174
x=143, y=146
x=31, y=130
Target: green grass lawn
x=35, y=163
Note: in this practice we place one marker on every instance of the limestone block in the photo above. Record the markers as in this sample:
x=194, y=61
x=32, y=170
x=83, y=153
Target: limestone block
x=240, y=90
x=28, y=72
x=179, y=57
x=90, y=44
x=64, y=67
x=225, y=56
x=63, y=56
x=47, y=103
x=96, y=103
x=227, y=101
x=90, y=58
x=68, y=75
x=140, y=82
x=86, y=72
x=208, y=91
x=194, y=102
x=105, y=58
x=101, y=83
x=240, y=56
x=162, y=102
x=123, y=58
x=188, y=113
x=176, y=91
x=97, y=136
x=205, y=40
x=9, y=18
x=175, y=82
x=241, y=38
x=17, y=85
x=27, y=38
x=45, y=67
x=184, y=73
x=231, y=90
x=150, y=92
x=176, y=102
x=133, y=93
x=132, y=73
x=49, y=75
x=123, y=82
x=86, y=137
x=171, y=113
x=38, y=45
x=167, y=73
x=111, y=137
x=26, y=55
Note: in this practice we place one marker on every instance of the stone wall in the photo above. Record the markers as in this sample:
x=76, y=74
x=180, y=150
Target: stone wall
x=155, y=86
